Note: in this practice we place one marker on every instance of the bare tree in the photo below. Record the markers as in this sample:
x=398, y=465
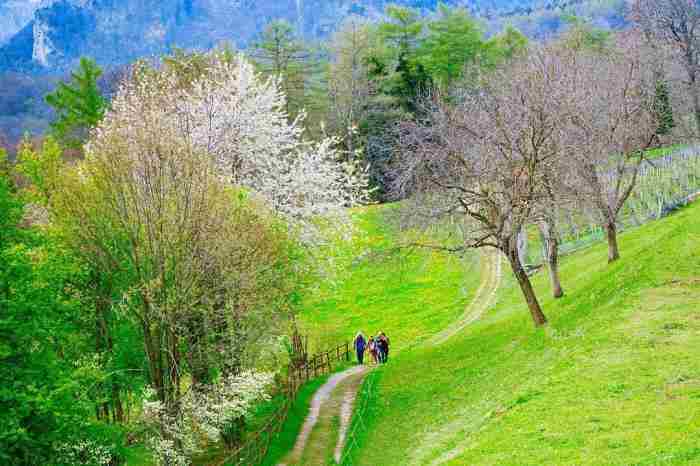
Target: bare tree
x=613, y=120
x=489, y=157
x=675, y=23
x=556, y=202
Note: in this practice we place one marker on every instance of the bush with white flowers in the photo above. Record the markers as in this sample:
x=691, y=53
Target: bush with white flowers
x=205, y=412
x=85, y=452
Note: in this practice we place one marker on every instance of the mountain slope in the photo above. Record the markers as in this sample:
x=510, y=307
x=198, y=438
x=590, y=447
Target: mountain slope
x=15, y=15
x=118, y=31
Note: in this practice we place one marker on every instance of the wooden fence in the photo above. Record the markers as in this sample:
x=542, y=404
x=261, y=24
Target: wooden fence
x=256, y=446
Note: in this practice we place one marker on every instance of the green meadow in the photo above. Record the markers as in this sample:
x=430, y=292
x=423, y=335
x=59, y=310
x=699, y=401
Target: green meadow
x=614, y=379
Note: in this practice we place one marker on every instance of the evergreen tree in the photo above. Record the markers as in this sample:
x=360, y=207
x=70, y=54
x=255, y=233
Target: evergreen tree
x=664, y=110
x=453, y=40
x=403, y=76
x=281, y=55
x=79, y=104
x=402, y=30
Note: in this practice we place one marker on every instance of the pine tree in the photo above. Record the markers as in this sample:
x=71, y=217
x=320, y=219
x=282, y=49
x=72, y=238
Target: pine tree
x=663, y=108
x=79, y=104
x=406, y=78
x=281, y=55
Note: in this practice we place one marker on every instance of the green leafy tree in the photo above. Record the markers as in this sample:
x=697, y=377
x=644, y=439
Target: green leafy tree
x=79, y=104
x=507, y=45
x=281, y=55
x=46, y=367
x=453, y=40
x=397, y=68
x=41, y=168
x=402, y=29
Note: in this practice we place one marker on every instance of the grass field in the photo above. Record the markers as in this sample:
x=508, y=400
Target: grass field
x=410, y=294
x=613, y=380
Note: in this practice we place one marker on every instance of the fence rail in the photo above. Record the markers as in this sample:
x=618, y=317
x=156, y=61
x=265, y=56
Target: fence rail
x=358, y=426
x=664, y=184
x=256, y=446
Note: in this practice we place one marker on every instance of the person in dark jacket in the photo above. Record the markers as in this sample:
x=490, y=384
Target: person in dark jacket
x=384, y=346
x=360, y=344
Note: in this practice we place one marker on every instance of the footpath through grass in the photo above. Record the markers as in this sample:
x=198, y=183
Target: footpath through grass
x=410, y=294
x=613, y=380
x=284, y=442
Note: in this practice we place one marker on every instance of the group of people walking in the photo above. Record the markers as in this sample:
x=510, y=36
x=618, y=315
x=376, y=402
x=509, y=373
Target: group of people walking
x=378, y=347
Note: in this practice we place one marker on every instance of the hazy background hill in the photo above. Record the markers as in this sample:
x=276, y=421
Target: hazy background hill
x=40, y=36
x=42, y=40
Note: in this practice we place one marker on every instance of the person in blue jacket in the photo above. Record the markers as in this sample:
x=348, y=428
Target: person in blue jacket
x=360, y=344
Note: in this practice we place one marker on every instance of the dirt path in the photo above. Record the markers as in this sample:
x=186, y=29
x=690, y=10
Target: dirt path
x=323, y=434
x=491, y=272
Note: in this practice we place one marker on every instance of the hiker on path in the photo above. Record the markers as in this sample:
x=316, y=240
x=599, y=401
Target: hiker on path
x=372, y=345
x=359, y=344
x=379, y=348
x=383, y=343
x=388, y=345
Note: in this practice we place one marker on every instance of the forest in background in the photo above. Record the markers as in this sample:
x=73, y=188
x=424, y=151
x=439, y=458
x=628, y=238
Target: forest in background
x=23, y=110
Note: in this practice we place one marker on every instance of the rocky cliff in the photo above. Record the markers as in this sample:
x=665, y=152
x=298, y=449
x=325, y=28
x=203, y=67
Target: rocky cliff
x=117, y=31
x=15, y=15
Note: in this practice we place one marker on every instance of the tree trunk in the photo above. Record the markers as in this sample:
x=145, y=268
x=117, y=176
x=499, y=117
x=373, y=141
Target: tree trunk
x=613, y=249
x=523, y=250
x=196, y=356
x=118, y=410
x=155, y=375
x=551, y=256
x=538, y=316
x=696, y=96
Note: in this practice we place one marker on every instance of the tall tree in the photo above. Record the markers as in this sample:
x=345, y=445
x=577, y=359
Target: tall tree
x=676, y=23
x=48, y=368
x=402, y=29
x=401, y=74
x=614, y=122
x=281, y=54
x=193, y=192
x=79, y=104
x=453, y=39
x=488, y=158
x=349, y=84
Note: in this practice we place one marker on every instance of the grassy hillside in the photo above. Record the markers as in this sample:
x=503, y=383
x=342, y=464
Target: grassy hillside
x=410, y=294
x=614, y=379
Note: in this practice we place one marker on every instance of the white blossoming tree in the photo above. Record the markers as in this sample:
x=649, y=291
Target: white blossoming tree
x=206, y=415
x=221, y=106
